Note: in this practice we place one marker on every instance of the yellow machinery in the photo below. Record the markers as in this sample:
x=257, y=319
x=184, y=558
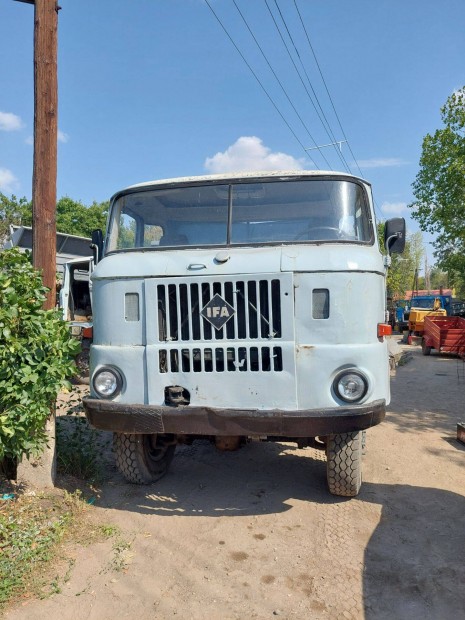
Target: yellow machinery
x=416, y=320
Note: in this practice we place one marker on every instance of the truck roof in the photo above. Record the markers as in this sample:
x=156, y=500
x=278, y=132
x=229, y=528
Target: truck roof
x=236, y=176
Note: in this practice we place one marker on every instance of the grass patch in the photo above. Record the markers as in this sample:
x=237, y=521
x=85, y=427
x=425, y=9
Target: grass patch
x=121, y=554
x=82, y=451
x=34, y=528
x=32, y=532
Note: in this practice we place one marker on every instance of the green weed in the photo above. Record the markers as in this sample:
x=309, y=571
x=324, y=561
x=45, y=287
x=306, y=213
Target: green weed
x=81, y=450
x=31, y=529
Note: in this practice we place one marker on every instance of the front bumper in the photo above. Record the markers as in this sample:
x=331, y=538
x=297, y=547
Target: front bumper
x=192, y=420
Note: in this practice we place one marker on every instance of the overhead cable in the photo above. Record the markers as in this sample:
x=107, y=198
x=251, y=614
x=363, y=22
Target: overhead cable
x=260, y=83
x=323, y=119
x=326, y=87
x=280, y=83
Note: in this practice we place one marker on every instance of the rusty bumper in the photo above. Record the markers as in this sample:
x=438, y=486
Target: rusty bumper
x=192, y=420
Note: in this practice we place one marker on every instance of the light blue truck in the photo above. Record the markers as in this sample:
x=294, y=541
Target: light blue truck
x=228, y=307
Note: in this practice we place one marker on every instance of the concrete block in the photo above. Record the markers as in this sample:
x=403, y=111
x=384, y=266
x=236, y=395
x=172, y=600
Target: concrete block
x=40, y=472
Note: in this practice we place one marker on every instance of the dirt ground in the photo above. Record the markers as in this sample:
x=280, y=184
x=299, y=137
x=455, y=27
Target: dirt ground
x=255, y=534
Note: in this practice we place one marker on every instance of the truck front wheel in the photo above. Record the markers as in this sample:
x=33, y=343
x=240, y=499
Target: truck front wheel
x=142, y=459
x=344, y=463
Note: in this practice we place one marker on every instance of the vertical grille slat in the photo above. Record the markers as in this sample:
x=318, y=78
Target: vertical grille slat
x=190, y=312
x=242, y=311
x=270, y=311
x=205, y=328
x=170, y=311
x=276, y=306
x=178, y=312
x=251, y=305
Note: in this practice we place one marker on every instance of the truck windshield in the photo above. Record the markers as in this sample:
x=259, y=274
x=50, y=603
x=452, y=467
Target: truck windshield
x=423, y=303
x=314, y=210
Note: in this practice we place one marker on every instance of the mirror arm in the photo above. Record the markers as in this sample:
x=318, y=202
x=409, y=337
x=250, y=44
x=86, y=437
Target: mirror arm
x=388, y=241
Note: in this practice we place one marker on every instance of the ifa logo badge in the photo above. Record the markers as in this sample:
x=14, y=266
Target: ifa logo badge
x=217, y=311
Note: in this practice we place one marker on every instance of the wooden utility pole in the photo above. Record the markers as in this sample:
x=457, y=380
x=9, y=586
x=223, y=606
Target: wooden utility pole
x=42, y=471
x=45, y=144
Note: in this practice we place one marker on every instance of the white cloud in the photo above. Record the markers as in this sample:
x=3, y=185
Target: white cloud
x=10, y=122
x=394, y=208
x=249, y=153
x=381, y=162
x=8, y=181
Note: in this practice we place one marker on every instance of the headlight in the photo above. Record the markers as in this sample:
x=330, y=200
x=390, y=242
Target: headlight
x=107, y=382
x=350, y=386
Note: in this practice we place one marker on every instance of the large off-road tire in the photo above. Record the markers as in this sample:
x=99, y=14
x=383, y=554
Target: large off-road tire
x=82, y=365
x=425, y=349
x=142, y=459
x=344, y=464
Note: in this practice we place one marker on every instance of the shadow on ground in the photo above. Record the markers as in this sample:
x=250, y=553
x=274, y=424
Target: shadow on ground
x=414, y=562
x=260, y=478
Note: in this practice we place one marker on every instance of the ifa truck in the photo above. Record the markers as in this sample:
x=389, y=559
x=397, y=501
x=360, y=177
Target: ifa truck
x=241, y=307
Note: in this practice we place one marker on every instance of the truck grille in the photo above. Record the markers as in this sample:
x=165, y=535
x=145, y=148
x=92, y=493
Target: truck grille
x=257, y=306
x=221, y=359
x=252, y=340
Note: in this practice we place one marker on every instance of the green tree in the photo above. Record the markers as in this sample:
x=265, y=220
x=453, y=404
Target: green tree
x=438, y=278
x=74, y=218
x=402, y=270
x=439, y=189
x=13, y=211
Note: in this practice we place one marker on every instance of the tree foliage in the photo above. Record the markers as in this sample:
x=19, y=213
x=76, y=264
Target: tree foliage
x=402, y=270
x=13, y=211
x=36, y=356
x=438, y=278
x=73, y=217
x=439, y=189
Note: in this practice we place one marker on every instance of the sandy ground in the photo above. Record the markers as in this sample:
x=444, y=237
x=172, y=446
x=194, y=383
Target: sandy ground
x=255, y=534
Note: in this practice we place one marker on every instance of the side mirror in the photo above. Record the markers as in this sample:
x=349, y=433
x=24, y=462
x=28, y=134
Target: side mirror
x=394, y=235
x=97, y=245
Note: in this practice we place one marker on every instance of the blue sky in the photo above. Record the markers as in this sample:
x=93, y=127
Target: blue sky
x=152, y=89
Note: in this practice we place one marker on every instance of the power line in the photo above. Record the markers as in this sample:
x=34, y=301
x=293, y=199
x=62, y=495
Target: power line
x=323, y=120
x=375, y=205
x=260, y=83
x=284, y=90
x=326, y=86
x=280, y=83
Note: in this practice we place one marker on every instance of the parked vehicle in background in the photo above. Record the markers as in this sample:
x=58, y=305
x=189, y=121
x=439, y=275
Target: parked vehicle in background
x=445, y=334
x=401, y=314
x=420, y=309
x=457, y=308
x=75, y=301
x=229, y=307
x=432, y=302
x=75, y=296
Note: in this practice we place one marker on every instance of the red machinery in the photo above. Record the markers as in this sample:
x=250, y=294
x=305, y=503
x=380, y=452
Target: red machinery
x=446, y=334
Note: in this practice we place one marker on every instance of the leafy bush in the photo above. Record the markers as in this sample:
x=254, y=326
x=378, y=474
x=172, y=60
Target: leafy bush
x=36, y=357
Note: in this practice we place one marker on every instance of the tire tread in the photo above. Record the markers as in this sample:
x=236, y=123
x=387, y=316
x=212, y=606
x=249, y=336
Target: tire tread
x=344, y=464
